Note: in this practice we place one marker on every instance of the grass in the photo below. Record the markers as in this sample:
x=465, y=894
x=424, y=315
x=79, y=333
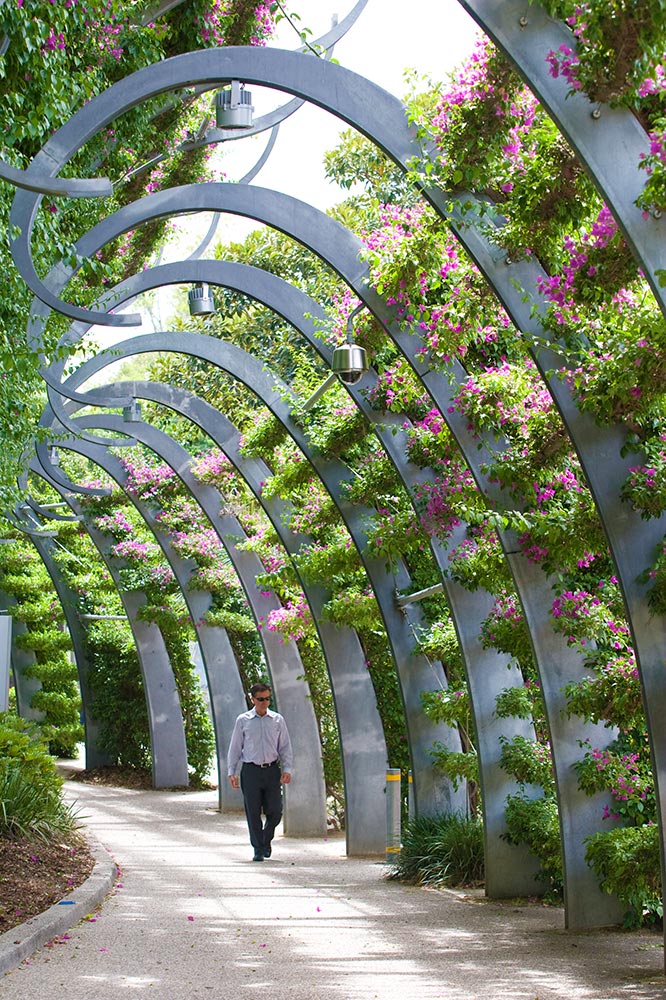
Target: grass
x=441, y=851
x=32, y=811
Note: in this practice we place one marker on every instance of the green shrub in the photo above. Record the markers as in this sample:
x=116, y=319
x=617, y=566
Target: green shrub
x=118, y=700
x=626, y=861
x=534, y=822
x=31, y=804
x=28, y=811
x=441, y=850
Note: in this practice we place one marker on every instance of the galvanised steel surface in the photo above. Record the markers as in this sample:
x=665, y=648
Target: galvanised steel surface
x=381, y=117
x=305, y=804
x=609, y=142
x=226, y=692
x=95, y=755
x=650, y=636
x=509, y=870
x=415, y=672
x=586, y=904
x=361, y=735
x=336, y=245
x=580, y=814
x=167, y=735
x=21, y=659
x=325, y=44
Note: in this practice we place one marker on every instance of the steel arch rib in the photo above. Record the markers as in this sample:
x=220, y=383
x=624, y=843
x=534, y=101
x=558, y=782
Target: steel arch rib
x=219, y=663
x=580, y=814
x=306, y=809
x=414, y=671
x=362, y=740
x=167, y=735
x=363, y=746
x=509, y=871
x=648, y=635
x=60, y=187
x=609, y=143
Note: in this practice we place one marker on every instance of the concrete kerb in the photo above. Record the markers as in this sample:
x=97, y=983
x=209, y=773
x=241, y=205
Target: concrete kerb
x=21, y=941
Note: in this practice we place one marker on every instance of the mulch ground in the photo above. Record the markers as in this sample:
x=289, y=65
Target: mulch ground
x=34, y=876
x=119, y=777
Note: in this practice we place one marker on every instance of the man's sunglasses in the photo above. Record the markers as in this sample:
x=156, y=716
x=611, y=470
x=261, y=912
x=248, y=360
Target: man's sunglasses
x=262, y=699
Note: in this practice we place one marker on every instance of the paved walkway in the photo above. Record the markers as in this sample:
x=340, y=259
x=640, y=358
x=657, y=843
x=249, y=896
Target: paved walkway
x=193, y=917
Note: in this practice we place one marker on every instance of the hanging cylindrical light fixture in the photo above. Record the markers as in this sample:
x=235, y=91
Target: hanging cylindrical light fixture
x=233, y=107
x=350, y=363
x=200, y=300
x=132, y=412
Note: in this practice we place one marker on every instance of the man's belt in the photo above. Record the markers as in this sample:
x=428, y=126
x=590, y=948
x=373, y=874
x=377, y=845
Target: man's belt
x=252, y=764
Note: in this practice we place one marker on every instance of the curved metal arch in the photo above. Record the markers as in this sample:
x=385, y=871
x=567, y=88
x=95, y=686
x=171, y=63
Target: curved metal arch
x=396, y=145
x=24, y=686
x=95, y=756
x=580, y=815
x=219, y=663
x=273, y=119
x=306, y=806
x=610, y=142
x=249, y=176
x=169, y=752
x=361, y=734
x=509, y=871
x=61, y=187
x=415, y=672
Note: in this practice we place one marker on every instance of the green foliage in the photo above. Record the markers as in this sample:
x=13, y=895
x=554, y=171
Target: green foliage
x=441, y=851
x=529, y=761
x=624, y=770
x=626, y=861
x=457, y=765
x=23, y=575
x=505, y=629
x=440, y=642
x=524, y=702
x=358, y=166
x=59, y=57
x=354, y=609
x=381, y=668
x=31, y=804
x=534, y=822
x=118, y=698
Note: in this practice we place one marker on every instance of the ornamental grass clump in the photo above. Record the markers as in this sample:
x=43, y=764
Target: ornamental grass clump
x=31, y=803
x=441, y=851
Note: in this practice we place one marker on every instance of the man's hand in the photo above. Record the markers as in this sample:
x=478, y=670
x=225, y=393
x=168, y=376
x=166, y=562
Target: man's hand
x=234, y=781
x=285, y=778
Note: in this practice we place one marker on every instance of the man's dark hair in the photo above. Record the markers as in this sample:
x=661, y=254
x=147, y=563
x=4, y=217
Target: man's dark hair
x=256, y=688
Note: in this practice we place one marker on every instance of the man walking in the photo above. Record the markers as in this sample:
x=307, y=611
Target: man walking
x=261, y=747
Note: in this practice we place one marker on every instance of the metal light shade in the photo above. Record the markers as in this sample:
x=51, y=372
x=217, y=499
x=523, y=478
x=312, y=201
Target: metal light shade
x=233, y=107
x=132, y=413
x=200, y=300
x=349, y=363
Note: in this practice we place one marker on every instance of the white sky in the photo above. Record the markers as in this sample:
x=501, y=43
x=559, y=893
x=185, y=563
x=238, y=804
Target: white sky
x=431, y=36
x=390, y=36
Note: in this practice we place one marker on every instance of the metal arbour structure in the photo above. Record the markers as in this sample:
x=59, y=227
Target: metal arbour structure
x=524, y=31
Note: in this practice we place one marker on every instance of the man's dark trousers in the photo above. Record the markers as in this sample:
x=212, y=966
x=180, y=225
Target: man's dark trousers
x=261, y=790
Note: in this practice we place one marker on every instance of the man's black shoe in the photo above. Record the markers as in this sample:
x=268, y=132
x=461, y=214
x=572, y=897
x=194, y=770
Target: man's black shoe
x=258, y=856
x=267, y=852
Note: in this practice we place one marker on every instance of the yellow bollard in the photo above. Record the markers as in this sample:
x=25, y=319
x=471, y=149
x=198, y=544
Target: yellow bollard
x=393, y=796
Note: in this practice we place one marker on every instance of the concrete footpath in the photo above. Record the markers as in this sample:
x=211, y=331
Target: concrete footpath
x=192, y=916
